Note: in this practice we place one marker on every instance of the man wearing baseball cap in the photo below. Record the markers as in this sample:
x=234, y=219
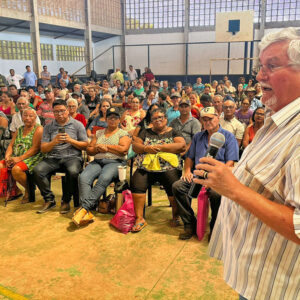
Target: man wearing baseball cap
x=173, y=112
x=185, y=123
x=199, y=145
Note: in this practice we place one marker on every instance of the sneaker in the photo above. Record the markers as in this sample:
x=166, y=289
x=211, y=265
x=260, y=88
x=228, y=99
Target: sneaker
x=79, y=215
x=65, y=208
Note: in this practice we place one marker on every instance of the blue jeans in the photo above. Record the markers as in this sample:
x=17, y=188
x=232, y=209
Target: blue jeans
x=106, y=171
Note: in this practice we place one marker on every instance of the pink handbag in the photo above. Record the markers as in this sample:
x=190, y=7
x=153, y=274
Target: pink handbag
x=124, y=219
x=202, y=213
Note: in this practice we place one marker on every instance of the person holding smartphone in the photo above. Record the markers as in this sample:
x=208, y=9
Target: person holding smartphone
x=63, y=141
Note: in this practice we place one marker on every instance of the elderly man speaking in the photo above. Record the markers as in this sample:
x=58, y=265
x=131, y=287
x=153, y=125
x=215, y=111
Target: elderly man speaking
x=257, y=232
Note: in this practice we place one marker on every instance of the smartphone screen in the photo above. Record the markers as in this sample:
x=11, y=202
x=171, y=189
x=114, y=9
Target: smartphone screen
x=61, y=130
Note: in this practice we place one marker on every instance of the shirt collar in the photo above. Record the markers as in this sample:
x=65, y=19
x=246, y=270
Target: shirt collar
x=219, y=130
x=69, y=121
x=281, y=117
x=188, y=120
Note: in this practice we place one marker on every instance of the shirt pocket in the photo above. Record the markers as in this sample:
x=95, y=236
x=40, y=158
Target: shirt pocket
x=266, y=180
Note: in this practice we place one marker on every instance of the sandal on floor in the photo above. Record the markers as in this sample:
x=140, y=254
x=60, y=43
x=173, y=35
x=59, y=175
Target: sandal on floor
x=138, y=227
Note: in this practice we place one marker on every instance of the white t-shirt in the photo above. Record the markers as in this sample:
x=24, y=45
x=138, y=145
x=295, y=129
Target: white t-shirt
x=14, y=80
x=132, y=74
x=17, y=122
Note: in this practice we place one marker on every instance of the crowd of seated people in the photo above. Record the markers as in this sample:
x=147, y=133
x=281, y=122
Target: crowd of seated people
x=50, y=125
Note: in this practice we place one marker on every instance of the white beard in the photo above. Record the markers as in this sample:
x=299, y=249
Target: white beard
x=270, y=103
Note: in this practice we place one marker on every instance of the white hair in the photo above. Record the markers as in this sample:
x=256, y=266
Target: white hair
x=218, y=96
x=23, y=98
x=290, y=34
x=72, y=100
x=29, y=109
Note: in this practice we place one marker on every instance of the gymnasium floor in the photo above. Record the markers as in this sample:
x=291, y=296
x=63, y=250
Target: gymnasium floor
x=46, y=257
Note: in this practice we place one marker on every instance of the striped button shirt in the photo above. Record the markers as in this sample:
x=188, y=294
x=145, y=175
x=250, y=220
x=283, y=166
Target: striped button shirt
x=258, y=262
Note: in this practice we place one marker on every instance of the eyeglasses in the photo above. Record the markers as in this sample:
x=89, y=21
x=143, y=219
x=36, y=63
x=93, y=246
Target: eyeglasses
x=59, y=112
x=160, y=118
x=228, y=107
x=271, y=68
x=72, y=106
x=260, y=114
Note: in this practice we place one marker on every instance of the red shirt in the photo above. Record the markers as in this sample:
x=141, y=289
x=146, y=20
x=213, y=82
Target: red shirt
x=81, y=118
x=149, y=76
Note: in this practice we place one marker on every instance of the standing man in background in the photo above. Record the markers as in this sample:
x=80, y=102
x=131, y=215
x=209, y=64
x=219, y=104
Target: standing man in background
x=30, y=78
x=257, y=232
x=132, y=74
x=14, y=78
x=45, y=76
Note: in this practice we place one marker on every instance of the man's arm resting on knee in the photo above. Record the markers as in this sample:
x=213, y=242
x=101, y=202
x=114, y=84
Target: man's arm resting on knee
x=187, y=174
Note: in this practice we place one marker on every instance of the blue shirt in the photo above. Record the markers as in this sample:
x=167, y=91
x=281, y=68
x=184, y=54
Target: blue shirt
x=172, y=114
x=97, y=122
x=255, y=103
x=146, y=106
x=198, y=87
x=229, y=151
x=30, y=78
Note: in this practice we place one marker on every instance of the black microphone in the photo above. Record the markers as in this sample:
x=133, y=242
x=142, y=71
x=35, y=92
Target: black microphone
x=216, y=142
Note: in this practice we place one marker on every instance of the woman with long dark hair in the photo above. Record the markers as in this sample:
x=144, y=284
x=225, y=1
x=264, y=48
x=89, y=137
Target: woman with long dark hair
x=7, y=105
x=258, y=119
x=244, y=114
x=146, y=122
x=100, y=120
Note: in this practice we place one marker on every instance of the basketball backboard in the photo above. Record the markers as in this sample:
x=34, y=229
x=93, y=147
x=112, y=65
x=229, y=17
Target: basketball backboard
x=234, y=26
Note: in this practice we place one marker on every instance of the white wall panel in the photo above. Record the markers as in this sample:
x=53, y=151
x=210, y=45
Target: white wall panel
x=200, y=55
x=157, y=38
x=137, y=56
x=237, y=51
x=167, y=60
x=105, y=62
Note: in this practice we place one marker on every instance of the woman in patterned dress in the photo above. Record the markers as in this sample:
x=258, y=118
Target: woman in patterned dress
x=110, y=147
x=23, y=152
x=132, y=117
x=160, y=144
